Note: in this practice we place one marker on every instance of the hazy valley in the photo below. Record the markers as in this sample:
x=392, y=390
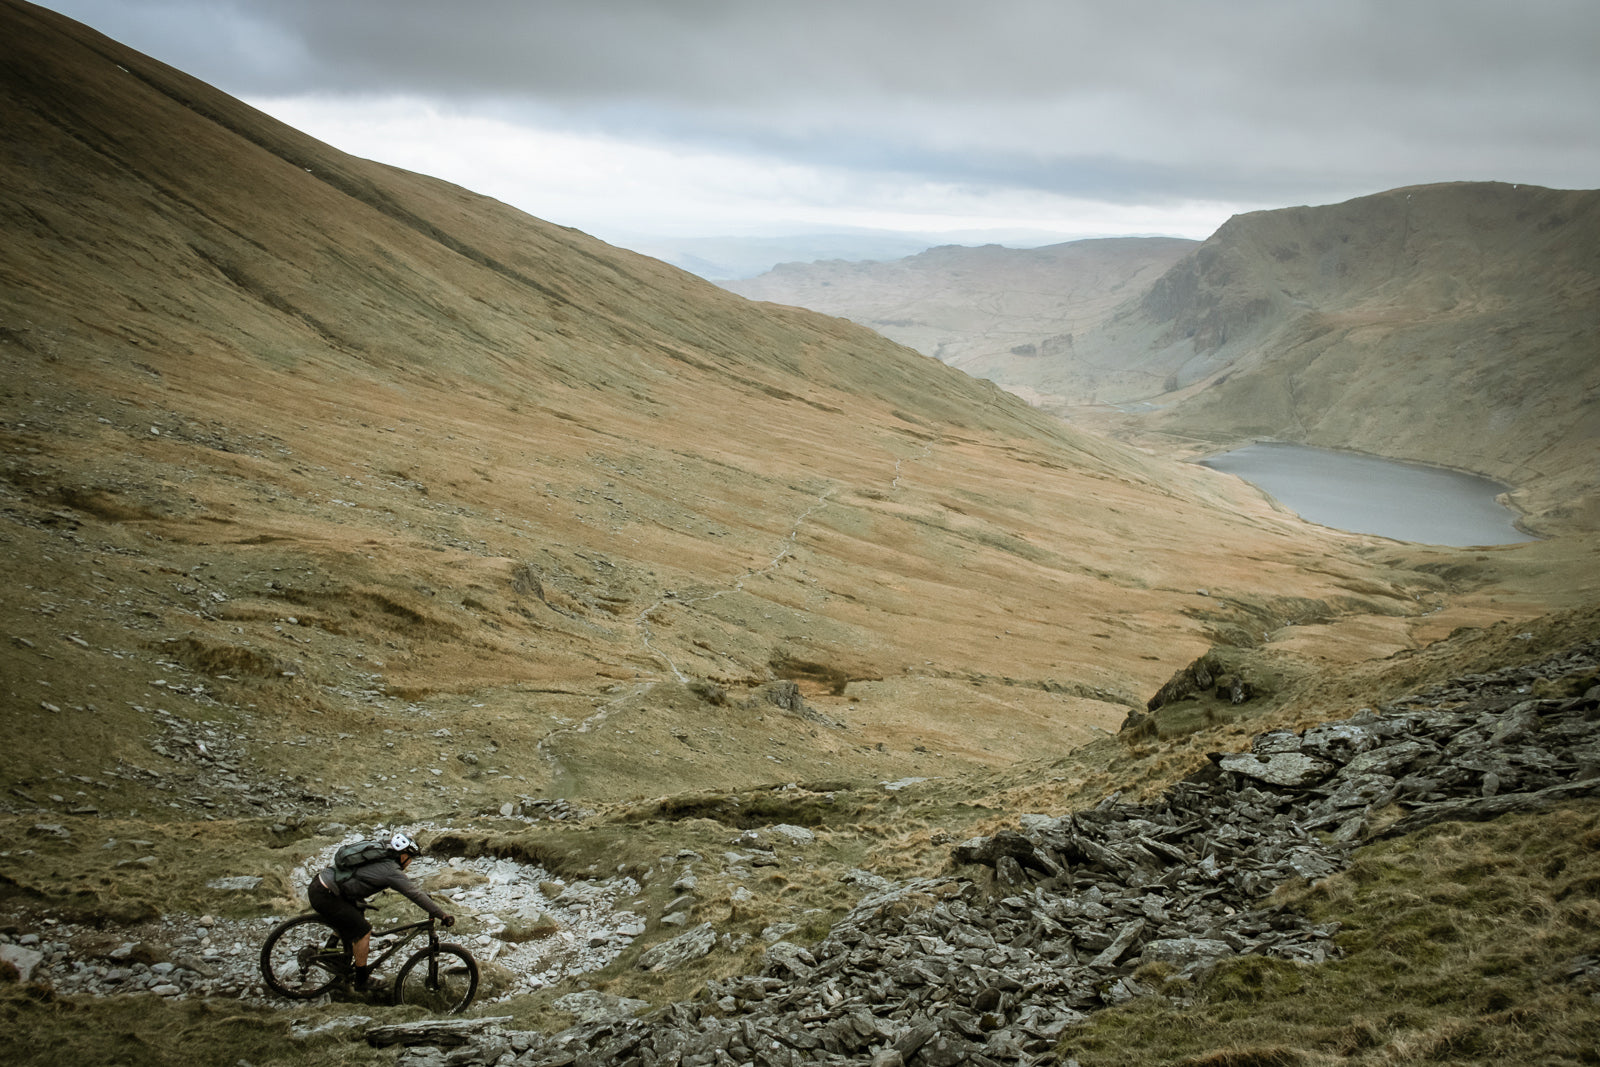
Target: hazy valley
x=1334, y=326
x=990, y=311
x=337, y=497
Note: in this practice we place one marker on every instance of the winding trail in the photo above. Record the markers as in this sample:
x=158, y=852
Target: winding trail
x=641, y=622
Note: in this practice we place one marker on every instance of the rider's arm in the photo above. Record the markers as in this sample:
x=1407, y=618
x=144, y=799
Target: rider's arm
x=397, y=880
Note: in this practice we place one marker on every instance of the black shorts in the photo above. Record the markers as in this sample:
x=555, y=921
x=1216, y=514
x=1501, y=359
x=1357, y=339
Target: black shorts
x=342, y=915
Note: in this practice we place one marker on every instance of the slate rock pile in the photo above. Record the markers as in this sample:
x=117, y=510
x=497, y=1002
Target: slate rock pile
x=174, y=957
x=1038, y=926
x=209, y=770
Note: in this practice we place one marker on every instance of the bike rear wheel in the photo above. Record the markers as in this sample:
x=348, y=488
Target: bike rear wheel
x=441, y=980
x=303, y=958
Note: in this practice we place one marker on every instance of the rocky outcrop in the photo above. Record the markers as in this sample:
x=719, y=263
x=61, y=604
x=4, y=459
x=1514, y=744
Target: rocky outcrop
x=690, y=945
x=1035, y=927
x=1208, y=674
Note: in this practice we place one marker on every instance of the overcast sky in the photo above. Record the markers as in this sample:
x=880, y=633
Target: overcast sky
x=710, y=117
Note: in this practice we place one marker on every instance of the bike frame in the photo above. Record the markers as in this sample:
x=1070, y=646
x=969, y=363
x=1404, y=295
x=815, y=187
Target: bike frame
x=412, y=932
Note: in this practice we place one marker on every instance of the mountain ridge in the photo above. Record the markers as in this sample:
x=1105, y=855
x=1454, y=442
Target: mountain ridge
x=1325, y=325
x=1474, y=301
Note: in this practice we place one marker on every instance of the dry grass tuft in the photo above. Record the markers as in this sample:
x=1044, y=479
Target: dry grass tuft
x=1246, y=1057
x=454, y=878
x=215, y=657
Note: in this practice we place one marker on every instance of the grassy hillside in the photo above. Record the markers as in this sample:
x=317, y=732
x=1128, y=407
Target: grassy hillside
x=338, y=449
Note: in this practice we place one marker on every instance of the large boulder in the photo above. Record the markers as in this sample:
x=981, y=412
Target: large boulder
x=24, y=960
x=1294, y=769
x=690, y=945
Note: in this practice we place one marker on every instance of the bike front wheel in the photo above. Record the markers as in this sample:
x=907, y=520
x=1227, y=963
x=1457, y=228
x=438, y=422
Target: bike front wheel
x=303, y=958
x=442, y=980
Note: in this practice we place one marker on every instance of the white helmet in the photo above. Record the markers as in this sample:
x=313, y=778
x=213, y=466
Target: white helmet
x=400, y=842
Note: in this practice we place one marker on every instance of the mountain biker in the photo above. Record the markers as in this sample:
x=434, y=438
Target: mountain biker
x=340, y=902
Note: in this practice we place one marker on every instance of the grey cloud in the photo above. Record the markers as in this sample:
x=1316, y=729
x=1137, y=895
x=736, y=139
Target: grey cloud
x=933, y=49
x=1179, y=98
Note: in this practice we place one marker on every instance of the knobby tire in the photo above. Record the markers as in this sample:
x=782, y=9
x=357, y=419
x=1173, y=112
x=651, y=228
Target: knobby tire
x=302, y=957
x=449, y=987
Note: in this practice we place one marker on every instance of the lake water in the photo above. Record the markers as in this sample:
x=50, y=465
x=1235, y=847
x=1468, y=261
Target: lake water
x=1364, y=494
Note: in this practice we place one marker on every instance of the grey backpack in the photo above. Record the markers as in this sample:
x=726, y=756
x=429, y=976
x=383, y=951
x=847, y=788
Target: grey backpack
x=350, y=858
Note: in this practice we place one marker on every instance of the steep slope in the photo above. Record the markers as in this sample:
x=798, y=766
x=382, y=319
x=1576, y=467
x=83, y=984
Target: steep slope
x=421, y=504
x=1474, y=305
x=994, y=312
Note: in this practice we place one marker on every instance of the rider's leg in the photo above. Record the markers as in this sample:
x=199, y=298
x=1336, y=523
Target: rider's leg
x=359, y=956
x=347, y=919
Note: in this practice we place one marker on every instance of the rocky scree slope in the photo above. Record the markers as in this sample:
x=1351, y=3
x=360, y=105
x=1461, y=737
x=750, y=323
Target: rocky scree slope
x=1035, y=927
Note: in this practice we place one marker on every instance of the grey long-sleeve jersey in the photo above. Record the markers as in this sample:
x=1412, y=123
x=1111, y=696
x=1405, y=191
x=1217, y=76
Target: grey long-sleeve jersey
x=377, y=876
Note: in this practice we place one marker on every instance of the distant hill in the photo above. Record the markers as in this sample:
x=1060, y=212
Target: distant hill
x=1454, y=324
x=992, y=311
x=723, y=258
x=729, y=258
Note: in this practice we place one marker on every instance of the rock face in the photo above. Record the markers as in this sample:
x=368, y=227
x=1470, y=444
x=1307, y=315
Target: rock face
x=23, y=960
x=687, y=946
x=1037, y=926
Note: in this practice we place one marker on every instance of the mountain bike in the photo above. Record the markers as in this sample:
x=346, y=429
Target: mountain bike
x=304, y=957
